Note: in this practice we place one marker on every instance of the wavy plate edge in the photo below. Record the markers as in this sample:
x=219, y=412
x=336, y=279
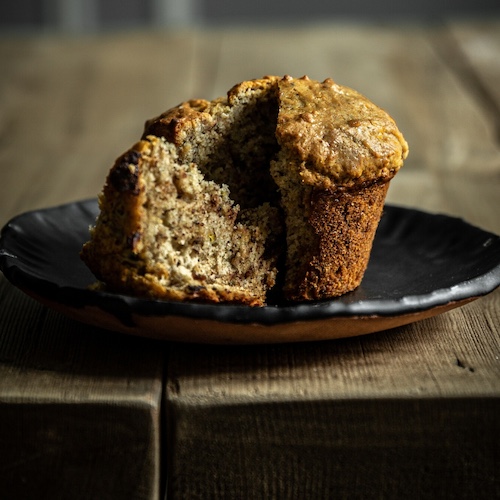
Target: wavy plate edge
x=217, y=323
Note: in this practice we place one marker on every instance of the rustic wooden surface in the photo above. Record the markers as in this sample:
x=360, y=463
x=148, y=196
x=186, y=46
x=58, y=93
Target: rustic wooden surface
x=79, y=407
x=407, y=413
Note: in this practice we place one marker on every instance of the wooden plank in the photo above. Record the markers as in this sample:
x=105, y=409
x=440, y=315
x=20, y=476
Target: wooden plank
x=80, y=407
x=421, y=360
x=407, y=413
x=479, y=45
x=469, y=51
x=73, y=105
x=401, y=413
x=347, y=450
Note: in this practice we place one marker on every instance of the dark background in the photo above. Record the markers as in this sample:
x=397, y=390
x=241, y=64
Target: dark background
x=99, y=15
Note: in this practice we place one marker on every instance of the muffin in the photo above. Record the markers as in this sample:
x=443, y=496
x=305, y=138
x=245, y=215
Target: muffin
x=274, y=190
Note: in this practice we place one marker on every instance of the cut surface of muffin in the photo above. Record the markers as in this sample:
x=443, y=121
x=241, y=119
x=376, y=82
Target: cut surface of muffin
x=279, y=184
x=166, y=232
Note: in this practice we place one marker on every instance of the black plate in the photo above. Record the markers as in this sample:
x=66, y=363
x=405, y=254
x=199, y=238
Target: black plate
x=420, y=263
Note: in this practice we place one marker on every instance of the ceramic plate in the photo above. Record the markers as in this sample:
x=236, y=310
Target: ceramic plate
x=421, y=265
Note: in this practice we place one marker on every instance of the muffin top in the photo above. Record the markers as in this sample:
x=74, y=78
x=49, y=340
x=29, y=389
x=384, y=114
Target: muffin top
x=339, y=137
x=336, y=137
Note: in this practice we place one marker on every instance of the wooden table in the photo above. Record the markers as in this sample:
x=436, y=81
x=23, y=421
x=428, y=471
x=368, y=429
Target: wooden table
x=407, y=413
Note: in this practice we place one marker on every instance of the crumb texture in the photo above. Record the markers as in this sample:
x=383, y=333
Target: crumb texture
x=276, y=188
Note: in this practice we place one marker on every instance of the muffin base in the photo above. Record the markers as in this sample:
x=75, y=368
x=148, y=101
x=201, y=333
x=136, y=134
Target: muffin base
x=344, y=224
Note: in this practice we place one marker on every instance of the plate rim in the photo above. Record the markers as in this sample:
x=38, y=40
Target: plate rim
x=125, y=306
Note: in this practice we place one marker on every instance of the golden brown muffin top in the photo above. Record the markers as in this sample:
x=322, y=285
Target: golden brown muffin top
x=340, y=137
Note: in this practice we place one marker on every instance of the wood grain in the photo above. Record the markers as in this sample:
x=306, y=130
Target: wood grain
x=407, y=413
x=410, y=412
x=79, y=407
x=71, y=106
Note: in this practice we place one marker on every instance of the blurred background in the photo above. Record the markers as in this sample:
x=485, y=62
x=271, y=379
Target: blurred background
x=80, y=77
x=82, y=16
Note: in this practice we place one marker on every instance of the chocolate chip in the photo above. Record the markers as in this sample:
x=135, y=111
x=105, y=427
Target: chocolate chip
x=125, y=174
